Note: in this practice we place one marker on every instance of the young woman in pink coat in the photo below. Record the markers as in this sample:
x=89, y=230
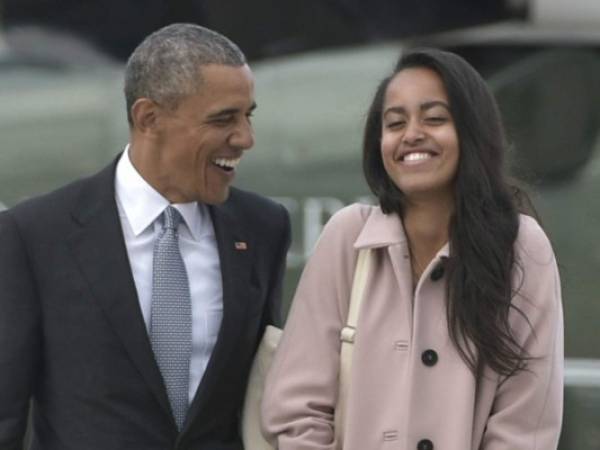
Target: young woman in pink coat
x=459, y=342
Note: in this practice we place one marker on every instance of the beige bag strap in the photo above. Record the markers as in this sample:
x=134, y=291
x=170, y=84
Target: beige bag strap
x=361, y=274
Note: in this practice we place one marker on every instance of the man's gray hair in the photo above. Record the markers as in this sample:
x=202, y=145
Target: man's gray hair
x=165, y=67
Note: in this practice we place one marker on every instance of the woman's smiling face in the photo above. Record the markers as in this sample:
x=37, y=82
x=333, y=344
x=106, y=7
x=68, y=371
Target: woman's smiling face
x=419, y=142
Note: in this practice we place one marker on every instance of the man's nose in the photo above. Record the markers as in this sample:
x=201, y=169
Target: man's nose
x=242, y=137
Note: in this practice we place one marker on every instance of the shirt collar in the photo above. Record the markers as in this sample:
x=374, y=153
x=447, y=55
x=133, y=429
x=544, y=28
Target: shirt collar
x=142, y=204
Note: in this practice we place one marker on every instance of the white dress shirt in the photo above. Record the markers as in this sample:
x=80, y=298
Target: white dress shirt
x=140, y=205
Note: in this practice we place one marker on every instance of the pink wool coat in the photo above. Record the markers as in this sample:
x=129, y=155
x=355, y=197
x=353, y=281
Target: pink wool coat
x=410, y=389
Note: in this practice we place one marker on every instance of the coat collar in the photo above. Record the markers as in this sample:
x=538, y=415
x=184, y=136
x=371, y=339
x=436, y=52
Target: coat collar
x=236, y=252
x=385, y=230
x=380, y=230
x=98, y=246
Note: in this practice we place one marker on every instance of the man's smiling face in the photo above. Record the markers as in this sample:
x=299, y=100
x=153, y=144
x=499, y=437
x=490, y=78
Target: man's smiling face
x=201, y=141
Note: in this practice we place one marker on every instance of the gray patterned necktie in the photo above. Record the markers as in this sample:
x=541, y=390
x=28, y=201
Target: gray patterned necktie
x=171, y=317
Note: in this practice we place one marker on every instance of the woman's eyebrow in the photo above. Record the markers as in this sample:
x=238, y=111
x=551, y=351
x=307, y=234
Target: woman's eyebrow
x=433, y=103
x=423, y=107
x=394, y=109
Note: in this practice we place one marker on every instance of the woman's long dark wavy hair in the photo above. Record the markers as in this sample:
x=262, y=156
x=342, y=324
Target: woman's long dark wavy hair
x=485, y=222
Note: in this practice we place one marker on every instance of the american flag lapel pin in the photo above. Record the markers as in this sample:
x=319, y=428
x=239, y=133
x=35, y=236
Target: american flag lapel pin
x=241, y=245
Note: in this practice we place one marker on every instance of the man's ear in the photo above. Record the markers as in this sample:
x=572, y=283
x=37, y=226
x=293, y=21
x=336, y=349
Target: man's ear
x=144, y=114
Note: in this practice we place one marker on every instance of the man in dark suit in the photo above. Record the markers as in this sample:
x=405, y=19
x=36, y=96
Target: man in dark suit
x=132, y=301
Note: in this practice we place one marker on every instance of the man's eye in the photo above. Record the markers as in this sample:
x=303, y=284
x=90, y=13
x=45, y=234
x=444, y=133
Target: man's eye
x=224, y=120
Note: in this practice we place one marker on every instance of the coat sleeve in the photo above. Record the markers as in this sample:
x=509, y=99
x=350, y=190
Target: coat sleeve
x=272, y=314
x=19, y=334
x=301, y=388
x=527, y=408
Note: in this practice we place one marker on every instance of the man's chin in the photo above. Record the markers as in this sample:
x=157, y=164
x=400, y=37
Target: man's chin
x=215, y=198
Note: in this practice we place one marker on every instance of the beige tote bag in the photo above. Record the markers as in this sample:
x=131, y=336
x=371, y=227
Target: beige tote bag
x=251, y=434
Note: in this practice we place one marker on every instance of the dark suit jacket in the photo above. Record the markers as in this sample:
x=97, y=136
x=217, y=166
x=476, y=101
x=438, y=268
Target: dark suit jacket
x=73, y=339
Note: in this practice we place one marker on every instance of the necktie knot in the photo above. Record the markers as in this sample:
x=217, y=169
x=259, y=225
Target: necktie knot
x=171, y=218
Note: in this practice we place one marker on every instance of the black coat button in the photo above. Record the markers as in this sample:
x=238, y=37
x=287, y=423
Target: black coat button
x=425, y=444
x=429, y=357
x=437, y=273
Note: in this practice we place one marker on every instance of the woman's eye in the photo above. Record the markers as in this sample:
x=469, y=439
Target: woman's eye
x=395, y=124
x=436, y=119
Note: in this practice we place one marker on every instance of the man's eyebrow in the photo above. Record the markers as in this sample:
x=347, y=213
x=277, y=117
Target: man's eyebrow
x=423, y=107
x=229, y=112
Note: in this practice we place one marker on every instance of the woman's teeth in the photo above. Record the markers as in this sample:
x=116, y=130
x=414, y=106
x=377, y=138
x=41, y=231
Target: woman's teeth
x=416, y=156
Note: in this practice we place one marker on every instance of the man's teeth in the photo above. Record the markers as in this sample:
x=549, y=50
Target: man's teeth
x=227, y=163
x=417, y=156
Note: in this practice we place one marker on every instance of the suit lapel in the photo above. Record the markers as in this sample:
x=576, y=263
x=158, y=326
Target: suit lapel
x=99, y=247
x=236, y=252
